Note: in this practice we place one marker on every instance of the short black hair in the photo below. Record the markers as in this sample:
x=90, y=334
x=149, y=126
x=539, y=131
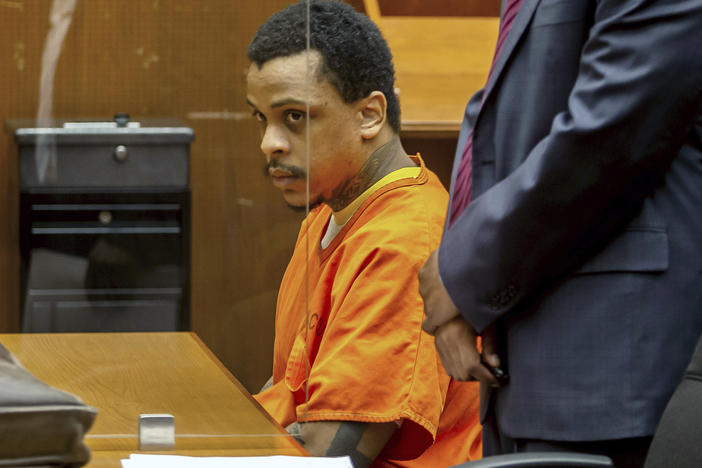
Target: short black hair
x=356, y=60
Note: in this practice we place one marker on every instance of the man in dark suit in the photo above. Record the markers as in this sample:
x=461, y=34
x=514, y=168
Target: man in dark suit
x=579, y=258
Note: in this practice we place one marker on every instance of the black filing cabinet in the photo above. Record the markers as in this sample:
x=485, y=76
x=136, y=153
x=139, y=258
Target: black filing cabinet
x=104, y=225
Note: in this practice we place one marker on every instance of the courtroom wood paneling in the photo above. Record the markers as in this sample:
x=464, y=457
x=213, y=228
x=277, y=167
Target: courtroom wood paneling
x=23, y=30
x=439, y=7
x=184, y=59
x=434, y=7
x=167, y=58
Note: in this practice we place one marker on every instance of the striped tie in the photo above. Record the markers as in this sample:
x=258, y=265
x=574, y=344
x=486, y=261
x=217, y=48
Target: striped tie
x=462, y=187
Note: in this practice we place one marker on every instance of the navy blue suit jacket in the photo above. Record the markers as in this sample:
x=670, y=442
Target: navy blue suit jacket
x=584, y=237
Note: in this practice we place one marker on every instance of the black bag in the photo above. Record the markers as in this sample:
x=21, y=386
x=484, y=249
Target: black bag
x=39, y=425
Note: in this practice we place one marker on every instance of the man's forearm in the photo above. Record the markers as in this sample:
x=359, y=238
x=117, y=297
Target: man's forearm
x=362, y=442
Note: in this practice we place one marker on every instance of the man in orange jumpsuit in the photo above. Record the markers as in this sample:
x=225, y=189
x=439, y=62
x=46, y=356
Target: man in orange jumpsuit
x=353, y=373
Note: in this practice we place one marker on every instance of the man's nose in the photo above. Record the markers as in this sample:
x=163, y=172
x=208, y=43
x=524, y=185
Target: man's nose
x=274, y=142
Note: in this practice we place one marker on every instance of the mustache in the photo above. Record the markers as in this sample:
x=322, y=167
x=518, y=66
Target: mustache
x=293, y=170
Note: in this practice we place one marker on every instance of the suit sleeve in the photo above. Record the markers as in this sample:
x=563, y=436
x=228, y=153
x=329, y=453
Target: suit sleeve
x=637, y=94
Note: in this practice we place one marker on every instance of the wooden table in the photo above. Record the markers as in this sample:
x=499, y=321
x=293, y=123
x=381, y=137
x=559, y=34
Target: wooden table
x=124, y=375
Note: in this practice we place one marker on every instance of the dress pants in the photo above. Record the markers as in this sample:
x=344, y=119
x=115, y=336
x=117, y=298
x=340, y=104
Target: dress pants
x=624, y=453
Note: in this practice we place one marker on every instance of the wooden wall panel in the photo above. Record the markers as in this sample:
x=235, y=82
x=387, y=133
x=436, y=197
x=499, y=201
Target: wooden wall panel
x=434, y=7
x=22, y=31
x=185, y=59
x=428, y=129
x=167, y=58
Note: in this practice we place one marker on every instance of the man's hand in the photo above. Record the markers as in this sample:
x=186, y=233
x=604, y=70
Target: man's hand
x=438, y=306
x=455, y=338
x=457, y=346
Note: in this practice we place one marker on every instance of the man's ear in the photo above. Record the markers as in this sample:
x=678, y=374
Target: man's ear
x=373, y=114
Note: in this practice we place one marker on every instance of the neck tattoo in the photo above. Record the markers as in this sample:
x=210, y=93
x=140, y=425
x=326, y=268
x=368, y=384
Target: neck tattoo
x=380, y=163
x=353, y=187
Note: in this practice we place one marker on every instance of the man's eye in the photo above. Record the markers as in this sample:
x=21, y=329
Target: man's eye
x=295, y=116
x=259, y=117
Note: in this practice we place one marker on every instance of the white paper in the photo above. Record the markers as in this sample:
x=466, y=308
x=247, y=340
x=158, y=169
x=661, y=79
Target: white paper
x=137, y=460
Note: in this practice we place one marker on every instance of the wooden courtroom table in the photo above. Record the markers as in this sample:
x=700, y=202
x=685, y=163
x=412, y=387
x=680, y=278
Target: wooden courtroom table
x=124, y=375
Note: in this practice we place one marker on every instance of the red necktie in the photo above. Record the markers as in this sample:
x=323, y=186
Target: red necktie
x=463, y=184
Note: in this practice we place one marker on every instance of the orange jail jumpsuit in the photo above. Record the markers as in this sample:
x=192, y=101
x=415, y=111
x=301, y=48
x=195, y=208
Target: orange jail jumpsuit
x=362, y=351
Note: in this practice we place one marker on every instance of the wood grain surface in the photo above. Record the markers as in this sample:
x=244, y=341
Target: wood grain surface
x=181, y=59
x=124, y=375
x=187, y=60
x=440, y=63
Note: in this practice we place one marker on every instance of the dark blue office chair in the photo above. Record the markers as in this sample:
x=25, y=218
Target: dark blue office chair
x=541, y=460
x=678, y=438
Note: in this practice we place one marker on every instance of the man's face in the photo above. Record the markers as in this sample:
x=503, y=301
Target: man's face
x=277, y=93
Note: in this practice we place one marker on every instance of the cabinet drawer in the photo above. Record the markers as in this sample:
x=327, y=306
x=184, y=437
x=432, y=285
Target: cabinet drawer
x=105, y=165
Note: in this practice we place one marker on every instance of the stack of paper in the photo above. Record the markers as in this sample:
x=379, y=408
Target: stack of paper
x=177, y=461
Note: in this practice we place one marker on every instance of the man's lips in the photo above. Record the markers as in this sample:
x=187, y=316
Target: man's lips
x=282, y=179
x=283, y=175
x=276, y=172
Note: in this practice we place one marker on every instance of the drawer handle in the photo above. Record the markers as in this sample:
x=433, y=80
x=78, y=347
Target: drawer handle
x=121, y=153
x=105, y=217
